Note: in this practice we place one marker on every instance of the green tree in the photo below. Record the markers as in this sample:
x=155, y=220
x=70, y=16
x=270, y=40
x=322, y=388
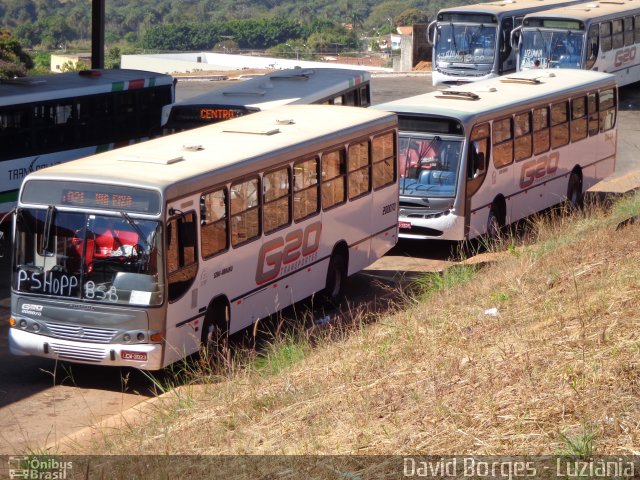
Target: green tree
x=56, y=32
x=112, y=59
x=412, y=16
x=14, y=62
x=70, y=66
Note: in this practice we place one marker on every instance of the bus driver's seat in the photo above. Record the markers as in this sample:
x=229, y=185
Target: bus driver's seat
x=115, y=242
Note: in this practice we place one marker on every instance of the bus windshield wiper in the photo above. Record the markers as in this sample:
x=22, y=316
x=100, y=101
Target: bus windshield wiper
x=453, y=36
x=431, y=143
x=135, y=226
x=46, y=234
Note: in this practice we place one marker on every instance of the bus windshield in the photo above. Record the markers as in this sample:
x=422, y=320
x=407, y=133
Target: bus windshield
x=465, y=44
x=428, y=166
x=550, y=49
x=99, y=258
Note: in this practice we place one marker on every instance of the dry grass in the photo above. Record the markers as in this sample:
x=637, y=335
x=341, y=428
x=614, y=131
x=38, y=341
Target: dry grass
x=558, y=367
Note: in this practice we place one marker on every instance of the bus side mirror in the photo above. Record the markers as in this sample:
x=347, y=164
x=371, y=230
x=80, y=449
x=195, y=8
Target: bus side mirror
x=480, y=166
x=1, y=244
x=515, y=37
x=431, y=32
x=477, y=165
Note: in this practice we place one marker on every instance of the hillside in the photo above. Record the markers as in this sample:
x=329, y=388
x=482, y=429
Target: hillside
x=538, y=352
x=63, y=24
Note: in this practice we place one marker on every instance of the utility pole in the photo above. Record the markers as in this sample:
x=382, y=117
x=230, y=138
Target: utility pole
x=97, y=33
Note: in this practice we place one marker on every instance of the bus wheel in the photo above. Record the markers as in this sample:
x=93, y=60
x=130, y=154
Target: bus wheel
x=336, y=278
x=214, y=338
x=494, y=223
x=575, y=197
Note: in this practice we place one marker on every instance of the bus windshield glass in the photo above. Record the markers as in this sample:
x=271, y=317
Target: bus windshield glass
x=465, y=44
x=428, y=166
x=89, y=257
x=550, y=49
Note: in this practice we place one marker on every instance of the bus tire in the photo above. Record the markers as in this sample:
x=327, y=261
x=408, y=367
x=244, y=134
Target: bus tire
x=575, y=196
x=494, y=222
x=336, y=278
x=214, y=338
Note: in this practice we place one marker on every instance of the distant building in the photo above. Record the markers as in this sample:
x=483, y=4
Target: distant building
x=57, y=61
x=196, y=62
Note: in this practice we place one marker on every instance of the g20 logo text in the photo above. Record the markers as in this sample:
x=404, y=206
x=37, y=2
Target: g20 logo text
x=625, y=55
x=285, y=250
x=538, y=168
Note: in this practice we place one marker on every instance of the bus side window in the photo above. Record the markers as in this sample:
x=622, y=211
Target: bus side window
x=502, y=142
x=618, y=34
x=277, y=200
x=245, y=211
x=349, y=98
x=333, y=178
x=522, y=132
x=605, y=36
x=182, y=264
x=636, y=21
x=628, y=31
x=559, y=124
x=540, y=130
x=305, y=189
x=214, y=225
x=478, y=155
x=592, y=46
x=592, y=111
x=578, y=118
x=384, y=162
x=607, y=107
x=14, y=133
x=365, y=96
x=359, y=168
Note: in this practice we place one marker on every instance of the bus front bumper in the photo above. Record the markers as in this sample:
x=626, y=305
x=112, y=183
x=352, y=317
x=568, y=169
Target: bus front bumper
x=147, y=356
x=445, y=227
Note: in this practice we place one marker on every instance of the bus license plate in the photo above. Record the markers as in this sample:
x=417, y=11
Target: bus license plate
x=137, y=356
x=405, y=225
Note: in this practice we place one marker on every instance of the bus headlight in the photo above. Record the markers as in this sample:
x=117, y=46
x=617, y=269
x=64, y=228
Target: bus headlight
x=126, y=337
x=36, y=327
x=22, y=324
x=140, y=337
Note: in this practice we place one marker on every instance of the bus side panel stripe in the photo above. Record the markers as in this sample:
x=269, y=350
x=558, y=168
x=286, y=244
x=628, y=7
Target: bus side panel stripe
x=189, y=320
x=135, y=84
x=117, y=86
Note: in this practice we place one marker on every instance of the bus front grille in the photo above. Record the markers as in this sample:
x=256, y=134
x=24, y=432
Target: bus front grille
x=82, y=334
x=82, y=354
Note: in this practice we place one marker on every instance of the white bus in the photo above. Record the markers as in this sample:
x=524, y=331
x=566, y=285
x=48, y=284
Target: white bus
x=600, y=36
x=134, y=257
x=474, y=159
x=472, y=42
x=334, y=86
x=50, y=119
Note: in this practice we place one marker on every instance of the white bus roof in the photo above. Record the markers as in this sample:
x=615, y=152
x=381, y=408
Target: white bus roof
x=74, y=84
x=499, y=94
x=281, y=87
x=507, y=6
x=183, y=162
x=588, y=11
